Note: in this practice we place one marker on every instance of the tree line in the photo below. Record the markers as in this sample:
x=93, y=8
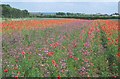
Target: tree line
x=9, y=12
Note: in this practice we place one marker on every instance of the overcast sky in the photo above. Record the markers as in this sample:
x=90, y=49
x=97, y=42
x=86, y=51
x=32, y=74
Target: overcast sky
x=59, y=0
x=85, y=6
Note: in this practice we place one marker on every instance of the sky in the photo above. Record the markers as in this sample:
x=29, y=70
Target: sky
x=60, y=0
x=74, y=6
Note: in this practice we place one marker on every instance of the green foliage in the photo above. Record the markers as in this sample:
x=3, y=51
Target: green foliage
x=60, y=13
x=9, y=12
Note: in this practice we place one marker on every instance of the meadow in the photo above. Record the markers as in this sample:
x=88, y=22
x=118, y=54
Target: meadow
x=60, y=48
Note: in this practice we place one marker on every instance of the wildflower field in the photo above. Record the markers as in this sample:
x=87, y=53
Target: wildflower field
x=60, y=48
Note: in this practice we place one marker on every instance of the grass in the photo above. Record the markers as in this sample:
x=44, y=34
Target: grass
x=19, y=19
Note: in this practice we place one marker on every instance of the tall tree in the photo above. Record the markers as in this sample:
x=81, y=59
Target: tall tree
x=9, y=12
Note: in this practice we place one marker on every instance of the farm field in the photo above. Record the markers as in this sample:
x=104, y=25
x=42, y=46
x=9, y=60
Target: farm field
x=19, y=19
x=60, y=48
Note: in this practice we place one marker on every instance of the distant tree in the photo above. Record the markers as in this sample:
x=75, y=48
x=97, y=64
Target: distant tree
x=9, y=12
x=60, y=13
x=116, y=13
x=6, y=10
x=68, y=13
x=25, y=13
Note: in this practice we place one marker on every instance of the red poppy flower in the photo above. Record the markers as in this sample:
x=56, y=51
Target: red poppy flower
x=50, y=53
x=86, y=44
x=54, y=45
x=6, y=70
x=18, y=73
x=117, y=41
x=76, y=58
x=59, y=77
x=75, y=45
x=70, y=56
x=57, y=44
x=16, y=77
x=109, y=38
x=54, y=63
x=23, y=53
x=114, y=76
x=118, y=54
x=15, y=68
